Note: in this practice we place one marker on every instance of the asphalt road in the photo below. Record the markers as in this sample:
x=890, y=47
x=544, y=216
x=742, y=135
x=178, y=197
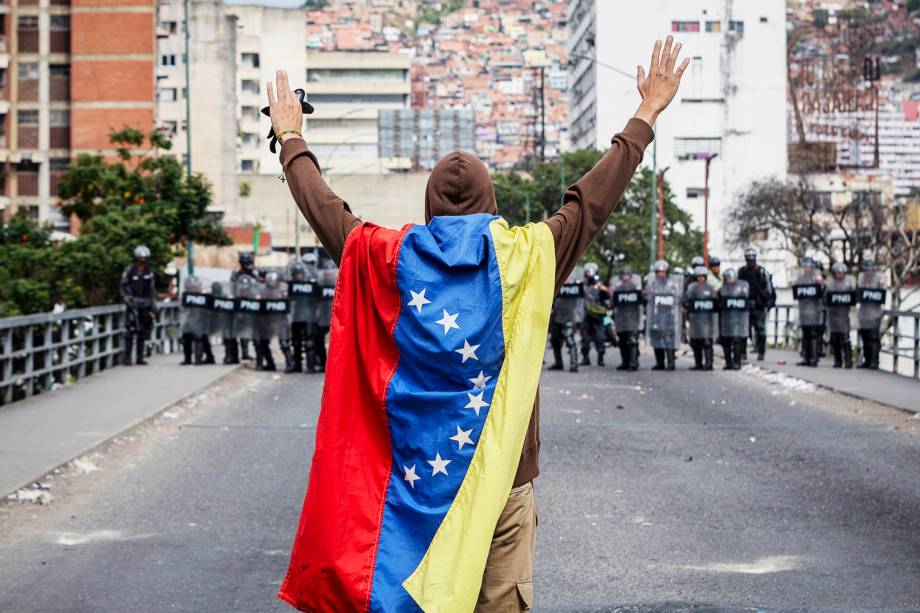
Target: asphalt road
x=668, y=491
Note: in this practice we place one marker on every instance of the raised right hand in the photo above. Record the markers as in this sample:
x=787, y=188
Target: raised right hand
x=660, y=85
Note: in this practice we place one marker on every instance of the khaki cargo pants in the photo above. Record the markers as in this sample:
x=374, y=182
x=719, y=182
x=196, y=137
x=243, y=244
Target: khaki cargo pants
x=507, y=583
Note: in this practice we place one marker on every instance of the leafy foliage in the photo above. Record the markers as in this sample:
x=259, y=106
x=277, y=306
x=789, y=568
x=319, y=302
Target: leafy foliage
x=136, y=199
x=627, y=231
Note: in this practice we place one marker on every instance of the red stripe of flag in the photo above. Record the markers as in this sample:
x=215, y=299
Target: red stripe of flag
x=333, y=556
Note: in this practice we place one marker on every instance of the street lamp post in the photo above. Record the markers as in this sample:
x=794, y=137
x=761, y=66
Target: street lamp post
x=188, y=133
x=708, y=159
x=660, y=223
x=653, y=222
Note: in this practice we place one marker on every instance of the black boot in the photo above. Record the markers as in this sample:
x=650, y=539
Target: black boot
x=707, y=357
x=670, y=358
x=188, y=342
x=659, y=360
x=847, y=354
x=206, y=350
x=761, y=347
x=140, y=361
x=288, y=357
x=624, y=356
x=585, y=359
x=816, y=343
x=728, y=349
x=231, y=351
x=268, y=360
x=244, y=349
x=697, y=356
x=600, y=359
x=634, y=356
x=129, y=350
x=837, y=348
x=740, y=344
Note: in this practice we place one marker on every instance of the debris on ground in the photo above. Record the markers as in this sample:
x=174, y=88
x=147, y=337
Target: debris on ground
x=33, y=495
x=781, y=379
x=84, y=466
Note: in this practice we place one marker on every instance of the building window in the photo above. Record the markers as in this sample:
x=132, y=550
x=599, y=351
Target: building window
x=59, y=84
x=168, y=59
x=249, y=86
x=167, y=94
x=27, y=22
x=695, y=192
x=713, y=26
x=250, y=60
x=250, y=113
x=58, y=164
x=27, y=117
x=31, y=210
x=685, y=26
x=247, y=165
x=59, y=118
x=763, y=20
x=170, y=27
x=169, y=128
x=736, y=26
x=696, y=148
x=249, y=139
x=27, y=71
x=60, y=22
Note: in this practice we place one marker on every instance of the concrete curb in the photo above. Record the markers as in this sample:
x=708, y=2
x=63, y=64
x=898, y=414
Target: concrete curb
x=131, y=426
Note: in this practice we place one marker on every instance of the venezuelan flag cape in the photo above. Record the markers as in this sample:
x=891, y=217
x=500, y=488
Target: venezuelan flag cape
x=438, y=335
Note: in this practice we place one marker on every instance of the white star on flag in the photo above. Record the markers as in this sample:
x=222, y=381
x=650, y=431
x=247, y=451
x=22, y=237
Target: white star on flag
x=468, y=351
x=411, y=477
x=418, y=299
x=476, y=402
x=462, y=437
x=479, y=381
x=438, y=465
x=448, y=321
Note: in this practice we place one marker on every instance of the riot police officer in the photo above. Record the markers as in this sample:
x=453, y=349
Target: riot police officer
x=223, y=309
x=138, y=291
x=700, y=305
x=839, y=298
x=568, y=313
x=328, y=276
x=761, y=296
x=592, y=326
x=734, y=309
x=871, y=293
x=273, y=323
x=304, y=293
x=246, y=269
x=690, y=274
x=662, y=315
x=808, y=290
x=246, y=318
x=626, y=299
x=714, y=278
x=194, y=324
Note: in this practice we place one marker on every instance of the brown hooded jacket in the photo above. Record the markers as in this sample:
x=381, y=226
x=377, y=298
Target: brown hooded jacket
x=460, y=185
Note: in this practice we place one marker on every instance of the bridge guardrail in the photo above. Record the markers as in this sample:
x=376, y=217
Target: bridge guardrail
x=900, y=341
x=41, y=351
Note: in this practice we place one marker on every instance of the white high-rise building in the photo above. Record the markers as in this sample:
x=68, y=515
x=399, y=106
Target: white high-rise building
x=732, y=101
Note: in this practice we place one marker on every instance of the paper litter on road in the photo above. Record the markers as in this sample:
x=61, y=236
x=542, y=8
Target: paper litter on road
x=781, y=379
x=84, y=466
x=33, y=495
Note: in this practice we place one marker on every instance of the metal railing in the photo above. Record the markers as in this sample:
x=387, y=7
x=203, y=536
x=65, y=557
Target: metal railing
x=44, y=351
x=900, y=337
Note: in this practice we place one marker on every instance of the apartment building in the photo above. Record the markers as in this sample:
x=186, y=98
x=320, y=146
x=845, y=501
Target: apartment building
x=70, y=73
x=732, y=102
x=348, y=89
x=267, y=39
x=211, y=99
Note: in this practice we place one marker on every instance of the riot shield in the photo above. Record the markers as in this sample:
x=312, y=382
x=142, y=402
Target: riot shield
x=734, y=309
x=304, y=294
x=871, y=295
x=248, y=307
x=569, y=306
x=273, y=318
x=327, y=280
x=839, y=298
x=701, y=303
x=662, y=311
x=223, y=309
x=625, y=301
x=193, y=318
x=808, y=292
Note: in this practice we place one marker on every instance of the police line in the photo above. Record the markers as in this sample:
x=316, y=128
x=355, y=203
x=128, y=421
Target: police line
x=253, y=305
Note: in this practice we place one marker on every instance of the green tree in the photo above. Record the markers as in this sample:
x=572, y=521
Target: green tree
x=627, y=230
x=135, y=199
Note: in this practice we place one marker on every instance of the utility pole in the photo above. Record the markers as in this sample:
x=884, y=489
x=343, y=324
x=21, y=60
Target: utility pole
x=542, y=116
x=708, y=159
x=188, y=134
x=660, y=224
x=655, y=219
